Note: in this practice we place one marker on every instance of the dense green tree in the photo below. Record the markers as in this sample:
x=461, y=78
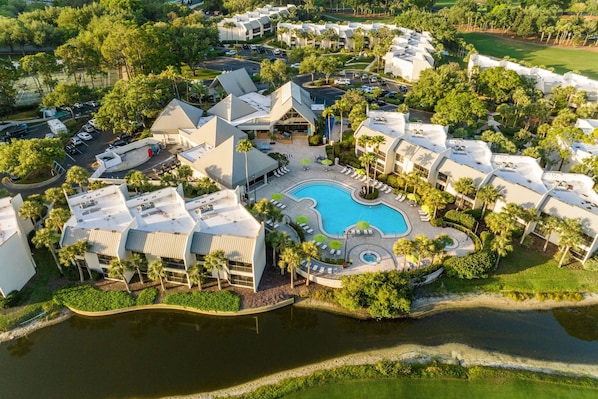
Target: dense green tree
x=498, y=83
x=464, y=186
x=8, y=92
x=66, y=95
x=21, y=157
x=570, y=234
x=459, y=109
x=77, y=175
x=434, y=84
x=487, y=194
x=136, y=179
x=70, y=255
x=48, y=238
x=118, y=269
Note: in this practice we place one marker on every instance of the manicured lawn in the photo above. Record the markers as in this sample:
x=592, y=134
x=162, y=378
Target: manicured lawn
x=525, y=271
x=411, y=388
x=562, y=60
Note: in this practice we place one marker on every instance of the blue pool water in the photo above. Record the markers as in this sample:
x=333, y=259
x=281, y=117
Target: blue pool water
x=338, y=210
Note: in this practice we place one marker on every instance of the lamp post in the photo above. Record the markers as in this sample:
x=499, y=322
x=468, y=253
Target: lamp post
x=345, y=254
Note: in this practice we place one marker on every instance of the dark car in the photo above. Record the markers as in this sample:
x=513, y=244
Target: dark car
x=17, y=131
x=261, y=50
x=403, y=89
x=391, y=94
x=246, y=47
x=119, y=143
x=125, y=137
x=71, y=149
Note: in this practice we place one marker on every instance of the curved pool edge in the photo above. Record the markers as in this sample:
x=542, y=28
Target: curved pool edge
x=351, y=190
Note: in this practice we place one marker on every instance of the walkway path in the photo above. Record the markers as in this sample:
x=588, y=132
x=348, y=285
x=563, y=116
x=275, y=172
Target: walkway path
x=356, y=244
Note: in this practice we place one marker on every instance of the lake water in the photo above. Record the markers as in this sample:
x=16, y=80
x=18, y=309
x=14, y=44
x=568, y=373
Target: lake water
x=157, y=353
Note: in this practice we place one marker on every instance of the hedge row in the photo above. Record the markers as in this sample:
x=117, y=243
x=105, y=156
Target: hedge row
x=471, y=266
x=147, y=296
x=223, y=301
x=460, y=218
x=87, y=298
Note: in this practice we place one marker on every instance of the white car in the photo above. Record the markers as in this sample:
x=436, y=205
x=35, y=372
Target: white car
x=253, y=47
x=276, y=51
x=88, y=128
x=366, y=89
x=231, y=52
x=373, y=79
x=296, y=65
x=85, y=136
x=75, y=140
x=92, y=122
x=342, y=81
x=50, y=135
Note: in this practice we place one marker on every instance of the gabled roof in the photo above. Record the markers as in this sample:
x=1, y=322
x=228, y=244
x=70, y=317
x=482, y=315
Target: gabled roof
x=291, y=96
x=236, y=82
x=215, y=132
x=232, y=108
x=234, y=247
x=226, y=165
x=177, y=115
x=158, y=243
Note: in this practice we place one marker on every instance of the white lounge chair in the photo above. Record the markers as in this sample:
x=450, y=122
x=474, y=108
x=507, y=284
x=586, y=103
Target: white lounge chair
x=323, y=247
x=329, y=270
x=282, y=206
x=349, y=170
x=388, y=190
x=276, y=225
x=309, y=231
x=332, y=251
x=403, y=196
x=344, y=170
x=425, y=219
x=370, y=231
x=286, y=170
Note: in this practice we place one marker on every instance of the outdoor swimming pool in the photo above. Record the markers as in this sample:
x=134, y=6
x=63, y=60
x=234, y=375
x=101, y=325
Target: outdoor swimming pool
x=339, y=211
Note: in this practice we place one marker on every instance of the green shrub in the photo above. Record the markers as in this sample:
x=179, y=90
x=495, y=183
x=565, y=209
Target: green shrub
x=372, y=195
x=11, y=300
x=147, y=296
x=383, y=178
x=438, y=222
x=392, y=181
x=471, y=266
x=591, y=264
x=223, y=301
x=250, y=135
x=315, y=139
x=460, y=218
x=476, y=213
x=486, y=238
x=299, y=231
x=87, y=298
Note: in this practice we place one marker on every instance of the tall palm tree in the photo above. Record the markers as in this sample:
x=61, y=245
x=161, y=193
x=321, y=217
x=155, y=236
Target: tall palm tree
x=118, y=268
x=342, y=106
x=327, y=113
x=465, y=186
x=550, y=224
x=366, y=160
x=139, y=262
x=376, y=141
x=56, y=219
x=215, y=261
x=309, y=251
x=403, y=247
x=502, y=246
x=265, y=210
x=439, y=245
x=278, y=241
x=48, y=238
x=500, y=223
x=32, y=210
x=156, y=272
x=488, y=194
x=245, y=146
x=422, y=247
x=196, y=274
x=69, y=254
x=570, y=234
x=290, y=258
x=437, y=199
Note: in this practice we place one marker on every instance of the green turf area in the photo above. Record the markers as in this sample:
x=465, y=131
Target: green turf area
x=562, y=60
x=486, y=388
x=525, y=271
x=444, y=4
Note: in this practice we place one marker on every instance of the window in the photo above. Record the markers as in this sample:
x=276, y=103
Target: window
x=245, y=281
x=398, y=169
x=399, y=158
x=173, y=263
x=105, y=259
x=424, y=171
x=234, y=265
x=442, y=177
x=200, y=257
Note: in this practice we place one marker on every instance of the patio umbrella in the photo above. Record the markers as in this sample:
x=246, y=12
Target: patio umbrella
x=320, y=238
x=277, y=196
x=302, y=219
x=335, y=244
x=363, y=225
x=305, y=162
x=327, y=162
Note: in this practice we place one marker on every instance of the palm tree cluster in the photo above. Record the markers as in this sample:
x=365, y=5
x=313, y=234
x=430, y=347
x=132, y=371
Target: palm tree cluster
x=368, y=160
x=293, y=255
x=421, y=246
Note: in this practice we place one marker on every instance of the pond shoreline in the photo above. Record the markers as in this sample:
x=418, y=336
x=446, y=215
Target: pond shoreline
x=421, y=307
x=448, y=354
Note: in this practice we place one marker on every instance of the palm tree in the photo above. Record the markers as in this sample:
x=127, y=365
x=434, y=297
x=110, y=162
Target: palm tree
x=48, y=238
x=57, y=218
x=136, y=179
x=118, y=268
x=245, y=146
x=32, y=210
x=342, y=106
x=464, y=186
x=327, y=113
x=265, y=210
x=501, y=244
x=403, y=247
x=77, y=175
x=196, y=274
x=487, y=194
x=309, y=251
x=290, y=258
x=376, y=141
x=570, y=234
x=500, y=223
x=437, y=199
x=139, y=262
x=69, y=254
x=277, y=240
x=412, y=178
x=366, y=160
x=156, y=272
x=550, y=224
x=422, y=247
x=215, y=261
x=439, y=245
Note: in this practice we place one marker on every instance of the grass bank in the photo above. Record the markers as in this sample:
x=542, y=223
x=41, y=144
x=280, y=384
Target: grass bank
x=562, y=60
x=392, y=379
x=524, y=271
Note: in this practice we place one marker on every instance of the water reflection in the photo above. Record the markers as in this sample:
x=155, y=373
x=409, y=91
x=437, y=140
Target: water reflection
x=162, y=349
x=580, y=323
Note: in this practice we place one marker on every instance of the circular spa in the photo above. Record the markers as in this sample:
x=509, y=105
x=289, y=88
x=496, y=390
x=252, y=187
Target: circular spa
x=370, y=257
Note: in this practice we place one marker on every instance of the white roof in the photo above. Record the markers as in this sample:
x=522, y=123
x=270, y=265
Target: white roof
x=8, y=219
x=104, y=208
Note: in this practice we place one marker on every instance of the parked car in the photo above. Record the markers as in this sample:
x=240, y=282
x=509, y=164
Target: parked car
x=75, y=141
x=230, y=52
x=342, y=81
x=373, y=79
x=296, y=65
x=403, y=89
x=70, y=149
x=283, y=53
x=252, y=47
x=17, y=131
x=125, y=137
x=356, y=75
x=92, y=122
x=276, y=51
x=50, y=135
x=119, y=143
x=93, y=103
x=261, y=50
x=85, y=136
x=245, y=46
x=88, y=128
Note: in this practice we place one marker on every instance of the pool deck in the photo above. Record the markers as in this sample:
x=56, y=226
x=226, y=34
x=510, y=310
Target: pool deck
x=355, y=244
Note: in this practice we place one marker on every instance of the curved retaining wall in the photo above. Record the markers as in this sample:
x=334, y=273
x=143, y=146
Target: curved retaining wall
x=327, y=282
x=245, y=312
